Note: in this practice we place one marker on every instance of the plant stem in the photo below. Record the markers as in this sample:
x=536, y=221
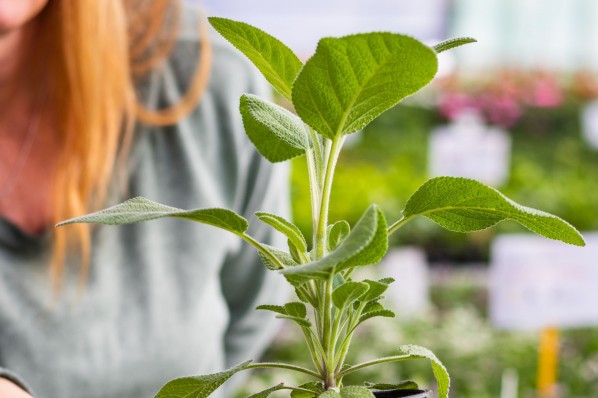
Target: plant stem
x=314, y=187
x=354, y=368
x=315, y=347
x=398, y=224
x=328, y=335
x=261, y=249
x=299, y=369
x=337, y=144
x=350, y=329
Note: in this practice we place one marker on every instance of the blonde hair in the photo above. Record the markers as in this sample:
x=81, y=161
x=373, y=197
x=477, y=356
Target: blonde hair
x=99, y=50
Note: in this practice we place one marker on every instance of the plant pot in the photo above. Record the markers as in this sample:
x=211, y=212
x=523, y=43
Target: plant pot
x=402, y=394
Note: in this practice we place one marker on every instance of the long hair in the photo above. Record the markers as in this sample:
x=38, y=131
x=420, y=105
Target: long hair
x=98, y=51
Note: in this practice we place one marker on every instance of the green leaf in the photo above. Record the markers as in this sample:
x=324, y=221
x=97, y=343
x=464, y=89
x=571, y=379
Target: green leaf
x=276, y=61
x=142, y=209
x=330, y=394
x=274, y=308
x=452, y=43
x=285, y=258
x=353, y=79
x=356, y=392
x=373, y=314
x=266, y=393
x=289, y=229
x=305, y=298
x=366, y=244
x=464, y=205
x=296, y=309
x=440, y=372
x=404, y=385
x=198, y=386
x=277, y=134
x=300, y=321
x=336, y=233
x=294, y=252
x=372, y=306
x=347, y=293
x=314, y=386
x=376, y=289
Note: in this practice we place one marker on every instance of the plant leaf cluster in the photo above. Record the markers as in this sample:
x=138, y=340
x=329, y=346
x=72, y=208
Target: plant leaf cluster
x=347, y=83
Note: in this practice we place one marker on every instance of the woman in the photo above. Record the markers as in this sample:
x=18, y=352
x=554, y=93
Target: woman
x=99, y=103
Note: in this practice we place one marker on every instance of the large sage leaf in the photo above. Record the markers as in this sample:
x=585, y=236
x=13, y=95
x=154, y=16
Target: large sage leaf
x=276, y=61
x=142, y=209
x=440, y=372
x=353, y=79
x=276, y=133
x=366, y=244
x=198, y=386
x=464, y=205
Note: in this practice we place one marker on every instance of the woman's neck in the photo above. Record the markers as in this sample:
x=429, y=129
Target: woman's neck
x=15, y=48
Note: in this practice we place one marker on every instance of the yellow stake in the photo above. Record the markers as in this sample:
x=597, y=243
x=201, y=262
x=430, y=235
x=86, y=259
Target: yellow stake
x=547, y=362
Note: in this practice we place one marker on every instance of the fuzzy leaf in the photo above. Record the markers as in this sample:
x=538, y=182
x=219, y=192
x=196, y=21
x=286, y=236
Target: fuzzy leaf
x=294, y=252
x=276, y=61
x=289, y=229
x=372, y=314
x=452, y=43
x=277, y=134
x=366, y=244
x=376, y=290
x=279, y=309
x=330, y=394
x=314, y=386
x=197, y=386
x=356, y=392
x=336, y=233
x=296, y=309
x=142, y=209
x=372, y=306
x=351, y=80
x=404, y=385
x=347, y=293
x=266, y=393
x=386, y=281
x=284, y=257
x=300, y=321
x=464, y=205
x=440, y=372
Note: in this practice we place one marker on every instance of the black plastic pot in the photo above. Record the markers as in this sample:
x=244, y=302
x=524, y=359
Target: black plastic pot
x=402, y=394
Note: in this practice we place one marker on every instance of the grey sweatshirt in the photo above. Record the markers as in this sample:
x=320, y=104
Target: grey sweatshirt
x=166, y=298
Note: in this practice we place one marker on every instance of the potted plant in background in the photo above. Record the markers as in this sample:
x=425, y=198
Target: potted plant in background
x=347, y=83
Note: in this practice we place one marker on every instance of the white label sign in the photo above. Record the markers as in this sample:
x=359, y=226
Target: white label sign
x=537, y=283
x=468, y=148
x=589, y=123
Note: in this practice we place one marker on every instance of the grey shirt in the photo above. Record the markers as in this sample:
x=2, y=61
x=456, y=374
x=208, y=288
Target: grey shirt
x=166, y=298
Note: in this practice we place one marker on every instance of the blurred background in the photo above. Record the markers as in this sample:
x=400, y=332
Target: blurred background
x=517, y=110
